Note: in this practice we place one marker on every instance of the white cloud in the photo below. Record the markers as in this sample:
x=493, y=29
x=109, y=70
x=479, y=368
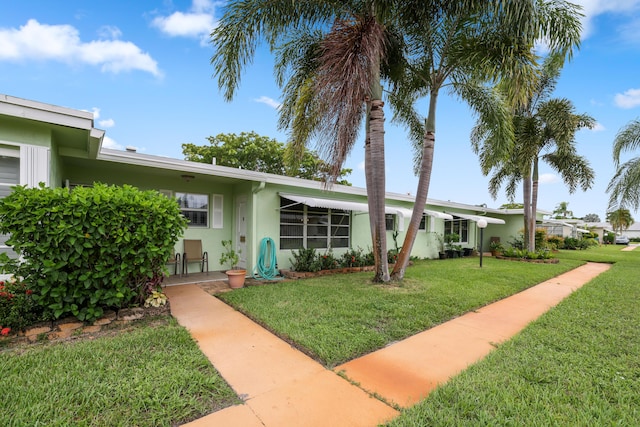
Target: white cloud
x=628, y=99
x=110, y=143
x=593, y=8
x=96, y=113
x=108, y=123
x=198, y=22
x=361, y=165
x=598, y=127
x=37, y=42
x=109, y=32
x=269, y=101
x=548, y=178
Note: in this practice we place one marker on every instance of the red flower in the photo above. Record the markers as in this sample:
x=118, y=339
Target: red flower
x=29, y=292
x=5, y=331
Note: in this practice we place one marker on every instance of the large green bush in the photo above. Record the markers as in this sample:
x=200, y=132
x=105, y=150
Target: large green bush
x=90, y=248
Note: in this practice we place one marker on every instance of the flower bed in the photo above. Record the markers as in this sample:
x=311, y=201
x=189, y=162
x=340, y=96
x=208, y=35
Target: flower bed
x=535, y=261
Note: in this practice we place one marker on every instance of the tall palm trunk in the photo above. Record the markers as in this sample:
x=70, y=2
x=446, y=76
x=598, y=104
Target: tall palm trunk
x=424, y=180
x=526, y=193
x=375, y=177
x=374, y=154
x=534, y=206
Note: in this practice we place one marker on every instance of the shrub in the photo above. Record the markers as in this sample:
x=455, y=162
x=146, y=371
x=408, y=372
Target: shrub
x=305, y=260
x=90, y=248
x=353, y=258
x=328, y=261
x=541, y=238
x=578, y=244
x=17, y=307
x=555, y=242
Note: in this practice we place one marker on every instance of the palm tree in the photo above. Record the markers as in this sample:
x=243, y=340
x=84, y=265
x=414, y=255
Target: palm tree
x=620, y=219
x=562, y=211
x=330, y=59
x=544, y=131
x=461, y=48
x=624, y=187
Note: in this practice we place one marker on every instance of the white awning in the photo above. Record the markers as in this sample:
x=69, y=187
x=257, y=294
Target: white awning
x=317, y=202
x=437, y=214
x=582, y=230
x=476, y=218
x=403, y=213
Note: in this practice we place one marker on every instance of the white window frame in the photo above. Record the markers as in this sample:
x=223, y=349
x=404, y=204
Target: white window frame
x=457, y=228
x=302, y=209
x=207, y=210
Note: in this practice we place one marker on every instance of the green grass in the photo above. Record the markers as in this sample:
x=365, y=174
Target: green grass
x=337, y=318
x=147, y=375
x=577, y=365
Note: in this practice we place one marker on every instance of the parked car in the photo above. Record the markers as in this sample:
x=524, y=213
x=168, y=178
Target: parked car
x=622, y=240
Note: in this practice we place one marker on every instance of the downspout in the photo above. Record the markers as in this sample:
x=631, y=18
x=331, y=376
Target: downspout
x=254, y=226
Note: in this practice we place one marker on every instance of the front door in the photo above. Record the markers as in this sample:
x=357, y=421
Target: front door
x=241, y=230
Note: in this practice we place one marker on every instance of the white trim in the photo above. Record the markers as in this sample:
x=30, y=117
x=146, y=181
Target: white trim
x=476, y=218
x=180, y=166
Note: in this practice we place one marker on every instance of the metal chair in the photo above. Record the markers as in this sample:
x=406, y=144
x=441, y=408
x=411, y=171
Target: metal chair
x=175, y=260
x=193, y=253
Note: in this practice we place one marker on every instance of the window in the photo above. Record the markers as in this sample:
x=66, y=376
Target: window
x=423, y=223
x=304, y=226
x=9, y=174
x=390, y=222
x=194, y=207
x=458, y=226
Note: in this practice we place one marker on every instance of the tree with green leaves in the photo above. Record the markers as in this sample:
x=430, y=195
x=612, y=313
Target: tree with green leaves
x=620, y=219
x=261, y=154
x=624, y=187
x=459, y=50
x=333, y=56
x=544, y=130
x=562, y=211
x=330, y=59
x=591, y=218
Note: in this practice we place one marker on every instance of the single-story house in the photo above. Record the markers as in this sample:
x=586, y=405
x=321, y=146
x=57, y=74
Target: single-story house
x=61, y=147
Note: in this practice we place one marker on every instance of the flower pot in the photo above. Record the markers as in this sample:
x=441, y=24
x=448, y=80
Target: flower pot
x=236, y=278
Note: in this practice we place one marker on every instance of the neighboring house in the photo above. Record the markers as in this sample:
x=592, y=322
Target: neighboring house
x=564, y=227
x=60, y=147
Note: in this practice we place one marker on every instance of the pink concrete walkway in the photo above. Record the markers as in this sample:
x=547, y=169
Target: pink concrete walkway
x=283, y=387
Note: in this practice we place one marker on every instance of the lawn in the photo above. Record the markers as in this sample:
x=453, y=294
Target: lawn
x=577, y=365
x=337, y=318
x=146, y=375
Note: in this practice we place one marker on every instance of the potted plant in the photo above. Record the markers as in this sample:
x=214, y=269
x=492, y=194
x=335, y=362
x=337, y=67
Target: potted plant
x=441, y=253
x=450, y=241
x=495, y=246
x=231, y=258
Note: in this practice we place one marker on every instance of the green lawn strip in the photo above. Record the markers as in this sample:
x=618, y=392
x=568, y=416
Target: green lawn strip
x=142, y=376
x=340, y=317
x=579, y=364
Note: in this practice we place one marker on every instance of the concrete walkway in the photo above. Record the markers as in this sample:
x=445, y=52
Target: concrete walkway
x=283, y=387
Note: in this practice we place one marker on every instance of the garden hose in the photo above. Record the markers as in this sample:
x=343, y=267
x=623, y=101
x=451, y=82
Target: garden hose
x=267, y=265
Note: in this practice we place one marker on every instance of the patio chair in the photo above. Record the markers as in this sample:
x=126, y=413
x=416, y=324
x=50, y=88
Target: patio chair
x=193, y=253
x=175, y=260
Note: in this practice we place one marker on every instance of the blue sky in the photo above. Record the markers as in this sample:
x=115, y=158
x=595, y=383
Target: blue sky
x=144, y=69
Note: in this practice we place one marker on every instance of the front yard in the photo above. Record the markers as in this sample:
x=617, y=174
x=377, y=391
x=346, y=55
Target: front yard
x=579, y=364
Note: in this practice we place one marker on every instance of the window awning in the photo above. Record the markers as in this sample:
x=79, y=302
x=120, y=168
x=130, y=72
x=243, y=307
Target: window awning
x=317, y=202
x=437, y=214
x=476, y=218
x=582, y=230
x=403, y=213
